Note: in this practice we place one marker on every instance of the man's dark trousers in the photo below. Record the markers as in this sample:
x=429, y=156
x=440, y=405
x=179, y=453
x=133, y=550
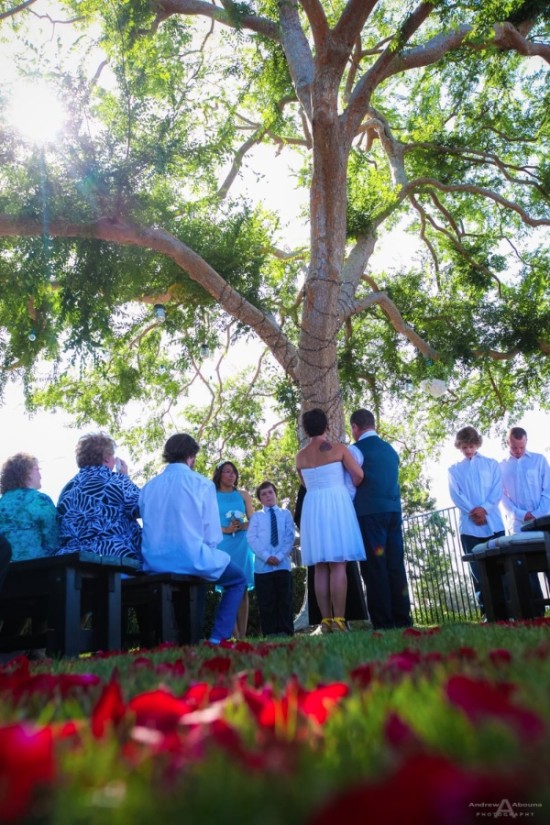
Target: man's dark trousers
x=384, y=570
x=274, y=595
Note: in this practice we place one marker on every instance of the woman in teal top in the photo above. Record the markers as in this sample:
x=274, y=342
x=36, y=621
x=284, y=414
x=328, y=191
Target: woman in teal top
x=28, y=518
x=235, y=508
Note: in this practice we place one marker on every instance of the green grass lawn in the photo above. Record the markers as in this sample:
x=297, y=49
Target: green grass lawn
x=436, y=726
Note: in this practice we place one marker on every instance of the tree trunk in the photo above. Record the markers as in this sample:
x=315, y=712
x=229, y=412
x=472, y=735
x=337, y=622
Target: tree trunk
x=321, y=319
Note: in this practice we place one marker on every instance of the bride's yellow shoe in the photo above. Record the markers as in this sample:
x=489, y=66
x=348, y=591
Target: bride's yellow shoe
x=339, y=625
x=326, y=626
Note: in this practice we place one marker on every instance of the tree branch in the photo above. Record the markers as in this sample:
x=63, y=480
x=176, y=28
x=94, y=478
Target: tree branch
x=390, y=310
x=16, y=9
x=352, y=21
x=478, y=190
x=457, y=243
x=423, y=220
x=360, y=98
x=238, y=161
x=506, y=37
x=477, y=156
x=161, y=241
x=298, y=53
x=317, y=20
x=256, y=23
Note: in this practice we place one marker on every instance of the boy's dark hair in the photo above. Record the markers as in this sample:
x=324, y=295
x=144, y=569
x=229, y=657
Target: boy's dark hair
x=468, y=436
x=179, y=448
x=314, y=422
x=518, y=433
x=362, y=418
x=264, y=486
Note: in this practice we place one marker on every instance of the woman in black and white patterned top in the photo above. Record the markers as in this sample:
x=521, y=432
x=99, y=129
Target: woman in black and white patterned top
x=98, y=508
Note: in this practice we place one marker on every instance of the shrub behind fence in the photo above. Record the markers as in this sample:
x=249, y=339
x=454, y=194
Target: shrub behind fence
x=439, y=581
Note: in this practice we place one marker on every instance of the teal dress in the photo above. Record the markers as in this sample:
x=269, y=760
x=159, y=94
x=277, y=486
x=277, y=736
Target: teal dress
x=231, y=505
x=28, y=519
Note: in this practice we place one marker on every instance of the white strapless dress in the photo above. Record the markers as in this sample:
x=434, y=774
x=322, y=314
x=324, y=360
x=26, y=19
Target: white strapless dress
x=329, y=530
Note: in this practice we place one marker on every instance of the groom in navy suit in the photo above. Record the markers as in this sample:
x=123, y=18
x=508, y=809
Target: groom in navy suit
x=378, y=507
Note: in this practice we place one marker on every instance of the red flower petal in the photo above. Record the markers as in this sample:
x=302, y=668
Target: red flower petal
x=500, y=656
x=26, y=760
x=109, y=709
x=320, y=702
x=424, y=790
x=158, y=709
x=218, y=664
x=480, y=699
x=363, y=675
x=398, y=733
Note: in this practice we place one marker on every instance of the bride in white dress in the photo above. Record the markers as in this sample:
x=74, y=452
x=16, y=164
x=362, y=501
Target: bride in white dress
x=329, y=531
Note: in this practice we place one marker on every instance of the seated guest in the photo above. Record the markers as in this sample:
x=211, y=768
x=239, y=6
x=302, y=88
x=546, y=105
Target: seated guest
x=181, y=530
x=98, y=508
x=28, y=518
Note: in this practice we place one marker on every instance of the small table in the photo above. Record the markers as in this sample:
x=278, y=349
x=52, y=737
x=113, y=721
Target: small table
x=516, y=556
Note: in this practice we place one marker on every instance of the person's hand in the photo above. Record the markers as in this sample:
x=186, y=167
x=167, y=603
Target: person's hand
x=236, y=525
x=478, y=515
x=273, y=561
x=123, y=467
x=529, y=516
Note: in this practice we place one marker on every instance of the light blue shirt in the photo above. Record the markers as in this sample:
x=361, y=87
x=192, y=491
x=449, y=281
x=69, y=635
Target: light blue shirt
x=476, y=482
x=259, y=539
x=526, y=488
x=181, y=524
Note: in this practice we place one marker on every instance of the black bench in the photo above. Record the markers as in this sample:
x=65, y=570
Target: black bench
x=55, y=593
x=516, y=557
x=169, y=607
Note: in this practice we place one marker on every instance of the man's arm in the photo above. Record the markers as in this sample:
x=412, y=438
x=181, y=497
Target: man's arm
x=458, y=496
x=493, y=494
x=257, y=544
x=543, y=506
x=212, y=530
x=286, y=541
x=513, y=512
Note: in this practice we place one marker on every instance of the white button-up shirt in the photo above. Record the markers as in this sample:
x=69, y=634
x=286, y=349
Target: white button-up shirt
x=359, y=457
x=476, y=482
x=526, y=488
x=259, y=539
x=181, y=524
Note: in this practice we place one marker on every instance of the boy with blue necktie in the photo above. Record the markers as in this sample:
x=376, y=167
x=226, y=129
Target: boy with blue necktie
x=271, y=537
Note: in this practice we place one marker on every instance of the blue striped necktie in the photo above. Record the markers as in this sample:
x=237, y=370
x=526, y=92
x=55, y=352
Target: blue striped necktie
x=274, y=531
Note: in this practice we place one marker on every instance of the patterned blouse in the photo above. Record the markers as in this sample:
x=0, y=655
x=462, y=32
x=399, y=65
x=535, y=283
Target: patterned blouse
x=98, y=511
x=28, y=520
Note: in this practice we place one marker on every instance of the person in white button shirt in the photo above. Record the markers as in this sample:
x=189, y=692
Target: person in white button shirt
x=525, y=482
x=526, y=489
x=181, y=530
x=475, y=486
x=272, y=576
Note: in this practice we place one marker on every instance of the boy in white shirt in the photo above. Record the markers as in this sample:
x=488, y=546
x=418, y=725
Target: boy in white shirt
x=271, y=537
x=475, y=486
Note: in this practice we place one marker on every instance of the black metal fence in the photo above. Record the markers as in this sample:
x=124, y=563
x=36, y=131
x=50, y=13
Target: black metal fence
x=440, y=584
x=439, y=581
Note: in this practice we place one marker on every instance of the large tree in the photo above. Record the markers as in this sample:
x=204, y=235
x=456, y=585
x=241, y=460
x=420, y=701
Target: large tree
x=426, y=117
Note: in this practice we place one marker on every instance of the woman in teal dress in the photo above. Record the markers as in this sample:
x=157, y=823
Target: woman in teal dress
x=235, y=508
x=28, y=518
